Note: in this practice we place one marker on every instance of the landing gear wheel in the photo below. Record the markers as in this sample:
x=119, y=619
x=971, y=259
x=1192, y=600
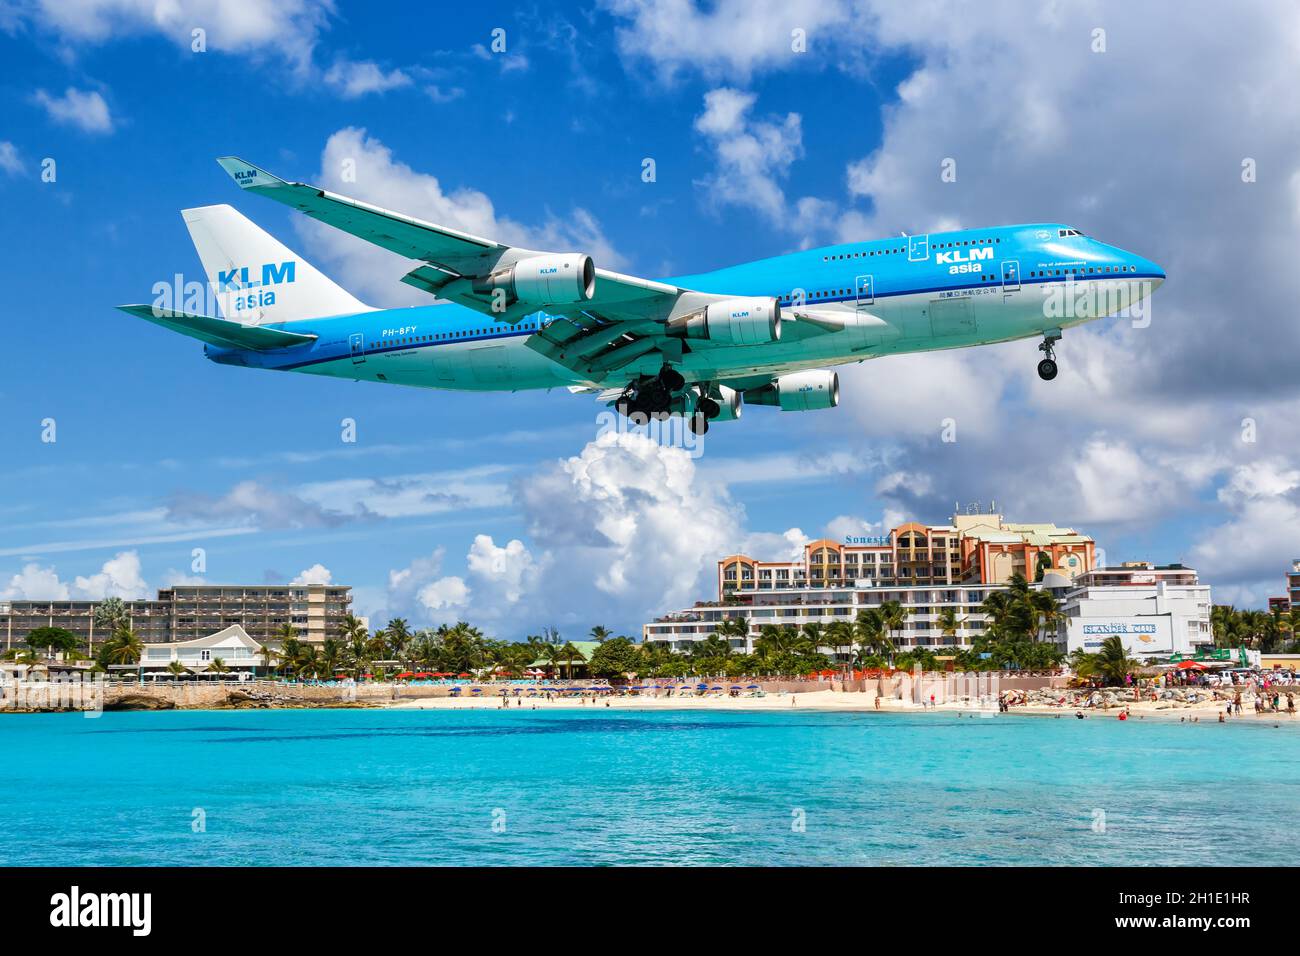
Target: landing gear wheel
x=1047, y=369
x=708, y=408
x=671, y=379
x=698, y=424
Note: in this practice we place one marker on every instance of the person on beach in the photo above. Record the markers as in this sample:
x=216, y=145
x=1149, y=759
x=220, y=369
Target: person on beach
x=1290, y=705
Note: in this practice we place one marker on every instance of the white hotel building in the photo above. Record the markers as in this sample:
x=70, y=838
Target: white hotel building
x=1157, y=611
x=797, y=606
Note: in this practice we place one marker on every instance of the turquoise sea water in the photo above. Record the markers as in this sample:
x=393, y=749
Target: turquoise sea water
x=575, y=787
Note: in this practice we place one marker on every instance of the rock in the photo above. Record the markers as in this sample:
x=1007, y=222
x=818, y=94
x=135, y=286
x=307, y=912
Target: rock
x=139, y=702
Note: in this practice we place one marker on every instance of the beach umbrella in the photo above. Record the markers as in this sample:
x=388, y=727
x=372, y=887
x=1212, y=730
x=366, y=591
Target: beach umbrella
x=476, y=690
x=1191, y=666
x=701, y=686
x=751, y=687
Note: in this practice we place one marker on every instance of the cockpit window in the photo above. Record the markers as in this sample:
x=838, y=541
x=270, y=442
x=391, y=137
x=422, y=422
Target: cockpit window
x=1062, y=233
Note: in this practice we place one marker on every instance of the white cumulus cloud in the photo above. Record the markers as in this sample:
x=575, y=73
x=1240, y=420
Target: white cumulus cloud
x=84, y=109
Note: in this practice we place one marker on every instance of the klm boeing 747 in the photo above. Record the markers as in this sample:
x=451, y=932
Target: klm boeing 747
x=702, y=346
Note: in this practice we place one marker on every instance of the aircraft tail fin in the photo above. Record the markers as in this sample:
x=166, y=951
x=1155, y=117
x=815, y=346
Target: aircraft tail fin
x=256, y=278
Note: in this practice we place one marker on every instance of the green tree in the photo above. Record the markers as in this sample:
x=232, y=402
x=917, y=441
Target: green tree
x=124, y=647
x=948, y=624
x=614, y=658
x=53, y=640
x=1112, y=660
x=892, y=618
x=840, y=635
x=399, y=636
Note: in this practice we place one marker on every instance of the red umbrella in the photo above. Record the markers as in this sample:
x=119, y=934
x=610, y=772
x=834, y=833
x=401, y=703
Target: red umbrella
x=1191, y=666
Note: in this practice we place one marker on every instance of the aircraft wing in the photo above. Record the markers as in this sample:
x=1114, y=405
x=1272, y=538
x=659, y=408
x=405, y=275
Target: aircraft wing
x=620, y=321
x=216, y=331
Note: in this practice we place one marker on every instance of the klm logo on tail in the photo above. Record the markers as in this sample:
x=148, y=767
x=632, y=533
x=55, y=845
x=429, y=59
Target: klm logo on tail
x=240, y=279
x=229, y=280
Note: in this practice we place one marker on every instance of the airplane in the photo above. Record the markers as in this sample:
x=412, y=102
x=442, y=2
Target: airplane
x=765, y=333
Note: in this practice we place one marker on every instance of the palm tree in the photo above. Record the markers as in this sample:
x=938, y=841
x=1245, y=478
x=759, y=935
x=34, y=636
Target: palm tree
x=399, y=635
x=218, y=666
x=291, y=654
x=110, y=616
x=331, y=656
x=176, y=669
x=1047, y=613
x=352, y=629
x=569, y=654
x=1112, y=660
x=124, y=647
x=734, y=628
x=813, y=632
x=840, y=634
x=949, y=624
x=268, y=655
x=600, y=634
x=892, y=618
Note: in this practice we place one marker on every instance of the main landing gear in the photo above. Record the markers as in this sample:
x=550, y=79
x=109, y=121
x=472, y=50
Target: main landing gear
x=651, y=397
x=1047, y=367
x=658, y=397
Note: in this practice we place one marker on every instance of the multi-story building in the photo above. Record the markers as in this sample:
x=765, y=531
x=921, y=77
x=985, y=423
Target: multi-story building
x=1293, y=584
x=1157, y=611
x=188, y=612
x=797, y=605
x=976, y=548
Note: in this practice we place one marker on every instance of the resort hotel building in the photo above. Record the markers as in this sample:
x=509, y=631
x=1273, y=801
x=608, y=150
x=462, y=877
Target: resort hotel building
x=1158, y=611
x=191, y=612
x=1292, y=597
x=926, y=568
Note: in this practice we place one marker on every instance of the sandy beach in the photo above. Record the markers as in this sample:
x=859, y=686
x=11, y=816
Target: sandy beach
x=829, y=700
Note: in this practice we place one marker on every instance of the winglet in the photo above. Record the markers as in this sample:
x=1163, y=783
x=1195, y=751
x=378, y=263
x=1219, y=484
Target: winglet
x=246, y=174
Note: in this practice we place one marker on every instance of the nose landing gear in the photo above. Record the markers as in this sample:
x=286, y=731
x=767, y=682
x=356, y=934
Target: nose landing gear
x=1047, y=367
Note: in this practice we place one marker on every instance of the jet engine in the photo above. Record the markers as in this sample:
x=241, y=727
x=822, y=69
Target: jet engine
x=729, y=404
x=748, y=321
x=798, y=391
x=545, y=280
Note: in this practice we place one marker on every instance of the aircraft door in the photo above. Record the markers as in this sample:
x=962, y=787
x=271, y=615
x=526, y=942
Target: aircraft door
x=357, y=344
x=865, y=288
x=1010, y=275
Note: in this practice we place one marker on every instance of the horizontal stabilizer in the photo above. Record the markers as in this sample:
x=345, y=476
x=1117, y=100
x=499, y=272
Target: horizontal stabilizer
x=218, y=331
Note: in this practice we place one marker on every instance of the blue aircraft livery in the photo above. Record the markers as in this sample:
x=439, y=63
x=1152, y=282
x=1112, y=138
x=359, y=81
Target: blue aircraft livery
x=766, y=333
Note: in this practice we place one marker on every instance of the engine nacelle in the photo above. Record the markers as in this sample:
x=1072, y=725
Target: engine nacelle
x=748, y=321
x=545, y=280
x=799, y=391
x=729, y=401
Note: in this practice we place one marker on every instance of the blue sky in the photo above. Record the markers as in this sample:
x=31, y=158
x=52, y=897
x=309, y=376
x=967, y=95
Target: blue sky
x=508, y=509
